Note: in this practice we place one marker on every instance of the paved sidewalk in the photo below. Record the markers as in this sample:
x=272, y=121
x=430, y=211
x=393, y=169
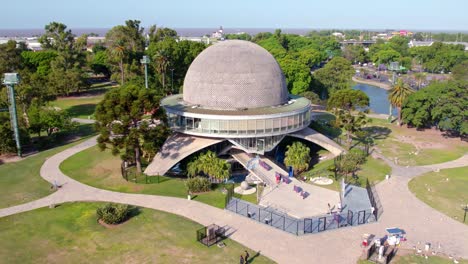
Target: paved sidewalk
x=401, y=208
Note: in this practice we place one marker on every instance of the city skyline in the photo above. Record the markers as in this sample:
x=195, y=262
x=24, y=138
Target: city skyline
x=364, y=14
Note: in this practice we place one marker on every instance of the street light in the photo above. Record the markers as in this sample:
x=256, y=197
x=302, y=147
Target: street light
x=145, y=61
x=10, y=80
x=172, y=80
x=465, y=208
x=394, y=67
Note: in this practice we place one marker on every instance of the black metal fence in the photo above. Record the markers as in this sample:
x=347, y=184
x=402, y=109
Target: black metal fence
x=210, y=235
x=298, y=226
x=377, y=209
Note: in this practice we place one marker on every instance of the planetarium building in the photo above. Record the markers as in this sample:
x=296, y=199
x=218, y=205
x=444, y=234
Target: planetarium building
x=234, y=91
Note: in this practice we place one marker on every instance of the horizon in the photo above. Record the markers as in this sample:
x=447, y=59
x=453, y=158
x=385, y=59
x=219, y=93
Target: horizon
x=300, y=14
x=199, y=31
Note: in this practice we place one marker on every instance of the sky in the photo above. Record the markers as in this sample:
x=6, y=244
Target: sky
x=336, y=14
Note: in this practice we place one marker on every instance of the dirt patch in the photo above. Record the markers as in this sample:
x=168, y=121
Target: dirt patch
x=109, y=226
x=418, y=144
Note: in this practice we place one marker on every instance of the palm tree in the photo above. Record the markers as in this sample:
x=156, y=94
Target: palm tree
x=419, y=77
x=297, y=156
x=162, y=61
x=210, y=165
x=397, y=96
x=119, y=52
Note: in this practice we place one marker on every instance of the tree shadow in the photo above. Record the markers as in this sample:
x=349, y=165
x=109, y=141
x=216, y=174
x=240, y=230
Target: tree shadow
x=252, y=258
x=133, y=211
x=82, y=110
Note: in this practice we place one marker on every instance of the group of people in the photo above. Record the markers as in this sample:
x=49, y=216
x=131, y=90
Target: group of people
x=244, y=259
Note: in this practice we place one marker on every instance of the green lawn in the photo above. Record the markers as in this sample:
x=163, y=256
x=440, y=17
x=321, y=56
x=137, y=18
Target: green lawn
x=444, y=195
x=388, y=138
x=20, y=181
x=102, y=170
x=71, y=234
x=373, y=169
x=83, y=106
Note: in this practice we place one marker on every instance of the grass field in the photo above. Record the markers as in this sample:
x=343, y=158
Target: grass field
x=102, y=170
x=20, y=181
x=71, y=234
x=373, y=169
x=445, y=191
x=412, y=147
x=82, y=106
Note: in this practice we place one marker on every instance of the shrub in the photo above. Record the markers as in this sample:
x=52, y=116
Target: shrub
x=198, y=184
x=113, y=213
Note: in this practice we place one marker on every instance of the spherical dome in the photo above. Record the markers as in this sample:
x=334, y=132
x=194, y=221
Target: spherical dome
x=235, y=74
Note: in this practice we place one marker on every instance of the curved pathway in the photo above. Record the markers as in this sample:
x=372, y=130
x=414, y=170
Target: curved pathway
x=402, y=209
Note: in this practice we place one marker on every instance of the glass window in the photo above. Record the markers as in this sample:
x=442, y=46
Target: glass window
x=223, y=126
x=242, y=126
x=233, y=127
x=189, y=123
x=260, y=126
x=214, y=126
x=296, y=120
x=205, y=124
x=290, y=122
x=284, y=123
x=251, y=124
x=197, y=124
x=268, y=125
x=276, y=124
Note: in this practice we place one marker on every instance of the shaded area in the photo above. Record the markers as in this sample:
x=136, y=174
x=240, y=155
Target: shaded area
x=177, y=147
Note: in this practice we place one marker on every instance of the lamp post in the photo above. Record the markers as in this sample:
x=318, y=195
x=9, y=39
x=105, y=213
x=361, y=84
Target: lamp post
x=172, y=80
x=145, y=61
x=394, y=67
x=10, y=80
x=464, y=208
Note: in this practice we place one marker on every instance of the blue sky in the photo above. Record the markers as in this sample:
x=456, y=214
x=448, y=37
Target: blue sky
x=342, y=14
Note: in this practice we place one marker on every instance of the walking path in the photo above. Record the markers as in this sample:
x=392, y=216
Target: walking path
x=422, y=223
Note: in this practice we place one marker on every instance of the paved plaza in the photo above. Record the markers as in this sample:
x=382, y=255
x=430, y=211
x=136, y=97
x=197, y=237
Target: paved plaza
x=401, y=208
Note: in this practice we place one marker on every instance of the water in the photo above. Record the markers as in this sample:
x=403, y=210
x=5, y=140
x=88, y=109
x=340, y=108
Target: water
x=378, y=98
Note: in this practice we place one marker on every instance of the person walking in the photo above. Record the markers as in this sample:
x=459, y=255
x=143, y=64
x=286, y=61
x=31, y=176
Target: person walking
x=241, y=260
x=246, y=258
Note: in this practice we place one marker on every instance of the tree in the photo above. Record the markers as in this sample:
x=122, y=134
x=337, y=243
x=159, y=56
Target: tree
x=209, y=164
x=125, y=47
x=175, y=56
x=460, y=71
x=120, y=120
x=298, y=156
x=334, y=76
x=397, y=96
x=313, y=97
x=350, y=162
x=49, y=119
x=420, y=77
x=348, y=100
x=7, y=144
x=441, y=104
x=10, y=59
x=386, y=56
x=355, y=53
x=159, y=34
x=297, y=74
x=70, y=59
x=342, y=103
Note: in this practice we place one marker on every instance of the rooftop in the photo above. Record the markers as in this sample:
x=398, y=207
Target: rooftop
x=176, y=103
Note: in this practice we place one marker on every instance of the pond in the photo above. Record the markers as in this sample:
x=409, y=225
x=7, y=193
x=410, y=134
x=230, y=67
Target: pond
x=378, y=98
